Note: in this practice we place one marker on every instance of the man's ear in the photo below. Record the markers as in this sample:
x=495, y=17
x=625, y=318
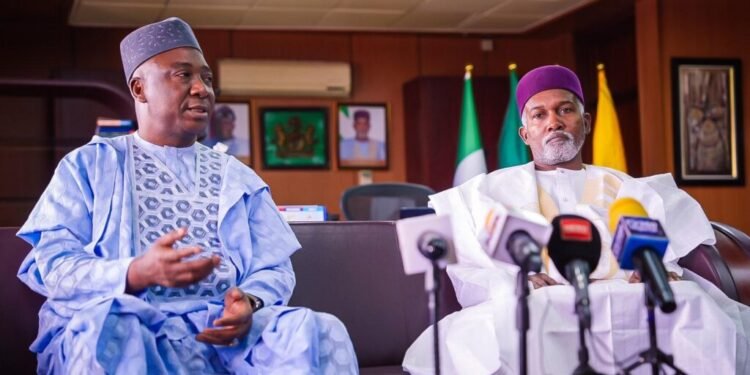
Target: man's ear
x=137, y=89
x=586, y=123
x=524, y=134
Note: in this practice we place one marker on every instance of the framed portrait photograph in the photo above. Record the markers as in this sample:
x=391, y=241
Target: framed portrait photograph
x=229, y=130
x=294, y=137
x=707, y=113
x=363, y=136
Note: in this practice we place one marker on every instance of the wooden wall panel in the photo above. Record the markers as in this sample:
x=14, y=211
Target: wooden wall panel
x=98, y=49
x=34, y=50
x=382, y=64
x=654, y=147
x=30, y=168
x=13, y=213
x=434, y=115
x=615, y=47
x=436, y=60
x=690, y=28
x=216, y=44
x=291, y=45
x=529, y=53
x=24, y=121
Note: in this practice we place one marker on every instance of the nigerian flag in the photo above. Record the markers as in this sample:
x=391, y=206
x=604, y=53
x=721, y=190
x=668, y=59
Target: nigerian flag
x=510, y=149
x=470, y=160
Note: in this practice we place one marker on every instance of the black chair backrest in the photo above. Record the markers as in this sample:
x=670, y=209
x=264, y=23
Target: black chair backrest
x=734, y=247
x=19, y=313
x=353, y=270
x=382, y=201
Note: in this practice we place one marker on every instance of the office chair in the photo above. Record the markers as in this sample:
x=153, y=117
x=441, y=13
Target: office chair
x=382, y=201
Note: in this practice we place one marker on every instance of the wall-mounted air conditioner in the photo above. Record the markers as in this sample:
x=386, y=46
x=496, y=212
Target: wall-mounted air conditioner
x=284, y=78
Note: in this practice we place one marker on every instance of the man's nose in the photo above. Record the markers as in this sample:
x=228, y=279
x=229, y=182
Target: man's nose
x=200, y=87
x=554, y=122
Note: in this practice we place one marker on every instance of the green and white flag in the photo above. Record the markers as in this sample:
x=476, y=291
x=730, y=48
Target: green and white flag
x=470, y=160
x=510, y=148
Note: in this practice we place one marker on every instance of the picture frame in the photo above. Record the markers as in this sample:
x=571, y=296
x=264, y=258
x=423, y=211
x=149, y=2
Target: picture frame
x=707, y=121
x=362, y=135
x=229, y=130
x=294, y=138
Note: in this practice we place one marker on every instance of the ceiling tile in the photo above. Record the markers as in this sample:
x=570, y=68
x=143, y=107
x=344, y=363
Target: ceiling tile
x=469, y=6
x=120, y=2
x=359, y=19
x=431, y=20
x=459, y=16
x=526, y=7
x=297, y=4
x=289, y=19
x=112, y=15
x=204, y=16
x=204, y=3
x=378, y=4
x=505, y=24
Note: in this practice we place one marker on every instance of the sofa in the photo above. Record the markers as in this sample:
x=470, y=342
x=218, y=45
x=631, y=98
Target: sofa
x=352, y=270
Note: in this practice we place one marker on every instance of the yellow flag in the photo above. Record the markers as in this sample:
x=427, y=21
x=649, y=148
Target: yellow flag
x=608, y=148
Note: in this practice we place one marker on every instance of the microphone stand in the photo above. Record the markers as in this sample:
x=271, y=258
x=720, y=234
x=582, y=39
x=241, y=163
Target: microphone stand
x=525, y=253
x=434, y=249
x=522, y=315
x=584, y=317
x=653, y=356
x=433, y=305
x=583, y=353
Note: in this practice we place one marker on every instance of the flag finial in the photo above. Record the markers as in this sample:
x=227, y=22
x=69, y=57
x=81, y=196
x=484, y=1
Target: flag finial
x=599, y=66
x=512, y=66
x=469, y=68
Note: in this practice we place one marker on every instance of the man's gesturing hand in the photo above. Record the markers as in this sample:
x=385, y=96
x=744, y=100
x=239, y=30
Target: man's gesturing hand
x=233, y=324
x=163, y=265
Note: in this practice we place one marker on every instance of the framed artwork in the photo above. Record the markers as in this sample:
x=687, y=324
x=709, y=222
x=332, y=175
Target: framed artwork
x=363, y=136
x=229, y=130
x=707, y=115
x=294, y=137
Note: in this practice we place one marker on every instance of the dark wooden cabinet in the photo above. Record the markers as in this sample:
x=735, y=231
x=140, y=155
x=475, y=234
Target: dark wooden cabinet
x=432, y=112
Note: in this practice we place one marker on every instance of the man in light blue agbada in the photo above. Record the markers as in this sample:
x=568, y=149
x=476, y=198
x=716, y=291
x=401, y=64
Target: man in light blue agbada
x=158, y=255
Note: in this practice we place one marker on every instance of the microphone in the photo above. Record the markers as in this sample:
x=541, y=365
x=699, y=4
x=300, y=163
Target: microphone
x=426, y=245
x=515, y=236
x=433, y=245
x=639, y=243
x=575, y=247
x=423, y=240
x=525, y=252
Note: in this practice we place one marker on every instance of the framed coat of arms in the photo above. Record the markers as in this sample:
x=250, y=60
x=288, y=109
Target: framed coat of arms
x=294, y=137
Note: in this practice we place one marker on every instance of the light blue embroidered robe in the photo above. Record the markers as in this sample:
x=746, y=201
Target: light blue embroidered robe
x=84, y=240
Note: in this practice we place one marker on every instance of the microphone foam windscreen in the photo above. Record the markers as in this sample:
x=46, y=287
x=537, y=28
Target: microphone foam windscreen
x=574, y=237
x=624, y=207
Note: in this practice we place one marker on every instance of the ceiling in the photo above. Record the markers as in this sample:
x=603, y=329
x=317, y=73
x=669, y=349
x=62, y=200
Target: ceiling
x=444, y=16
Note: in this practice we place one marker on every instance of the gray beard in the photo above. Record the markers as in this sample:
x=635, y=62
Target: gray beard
x=553, y=154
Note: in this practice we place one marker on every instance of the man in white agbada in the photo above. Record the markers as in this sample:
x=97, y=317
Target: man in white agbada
x=706, y=334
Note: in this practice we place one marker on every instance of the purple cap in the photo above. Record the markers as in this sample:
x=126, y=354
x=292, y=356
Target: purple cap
x=544, y=78
x=153, y=39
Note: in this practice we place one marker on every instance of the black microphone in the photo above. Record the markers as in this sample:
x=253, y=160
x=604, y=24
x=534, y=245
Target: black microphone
x=639, y=243
x=515, y=236
x=525, y=251
x=433, y=245
x=575, y=247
